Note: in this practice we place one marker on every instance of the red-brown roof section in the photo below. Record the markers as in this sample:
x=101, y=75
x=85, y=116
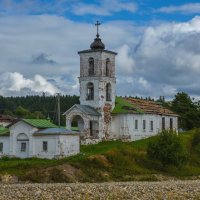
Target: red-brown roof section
x=150, y=107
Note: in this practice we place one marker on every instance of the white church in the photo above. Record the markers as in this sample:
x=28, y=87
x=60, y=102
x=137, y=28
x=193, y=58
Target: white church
x=99, y=116
x=103, y=116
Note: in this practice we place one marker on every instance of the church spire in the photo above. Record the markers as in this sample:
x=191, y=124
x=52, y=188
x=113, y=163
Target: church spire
x=97, y=44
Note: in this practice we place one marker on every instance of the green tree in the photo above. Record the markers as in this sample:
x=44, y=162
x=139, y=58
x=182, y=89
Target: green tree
x=168, y=149
x=189, y=113
x=22, y=112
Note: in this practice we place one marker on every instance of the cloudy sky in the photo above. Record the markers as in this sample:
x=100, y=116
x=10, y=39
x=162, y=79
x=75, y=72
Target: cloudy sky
x=158, y=45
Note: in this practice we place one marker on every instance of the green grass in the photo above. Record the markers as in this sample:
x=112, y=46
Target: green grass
x=106, y=161
x=123, y=106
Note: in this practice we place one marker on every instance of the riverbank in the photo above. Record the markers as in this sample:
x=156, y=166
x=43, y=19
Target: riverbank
x=113, y=190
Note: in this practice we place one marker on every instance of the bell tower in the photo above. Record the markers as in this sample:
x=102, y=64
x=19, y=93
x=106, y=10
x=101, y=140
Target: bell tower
x=97, y=75
x=97, y=82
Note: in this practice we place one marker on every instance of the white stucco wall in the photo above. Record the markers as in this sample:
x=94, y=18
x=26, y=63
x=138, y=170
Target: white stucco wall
x=15, y=130
x=123, y=125
x=69, y=145
x=52, y=149
x=58, y=146
x=6, y=145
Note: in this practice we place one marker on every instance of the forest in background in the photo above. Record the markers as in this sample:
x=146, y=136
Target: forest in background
x=40, y=107
x=46, y=107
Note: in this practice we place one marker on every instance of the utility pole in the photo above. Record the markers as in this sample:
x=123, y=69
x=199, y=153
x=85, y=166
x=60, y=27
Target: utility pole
x=58, y=108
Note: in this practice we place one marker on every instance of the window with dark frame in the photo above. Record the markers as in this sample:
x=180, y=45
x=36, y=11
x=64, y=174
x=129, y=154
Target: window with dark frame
x=171, y=123
x=91, y=128
x=91, y=67
x=163, y=123
x=107, y=67
x=45, y=146
x=136, y=124
x=108, y=92
x=1, y=147
x=90, y=91
x=23, y=147
x=144, y=124
x=151, y=125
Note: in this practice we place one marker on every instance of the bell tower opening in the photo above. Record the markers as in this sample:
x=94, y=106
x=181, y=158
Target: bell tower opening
x=108, y=92
x=107, y=67
x=91, y=67
x=90, y=91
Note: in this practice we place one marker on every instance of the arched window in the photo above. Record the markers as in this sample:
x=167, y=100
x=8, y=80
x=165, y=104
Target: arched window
x=91, y=67
x=22, y=137
x=90, y=91
x=107, y=67
x=108, y=92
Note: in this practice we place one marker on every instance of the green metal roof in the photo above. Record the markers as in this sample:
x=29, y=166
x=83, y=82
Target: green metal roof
x=4, y=131
x=122, y=106
x=40, y=123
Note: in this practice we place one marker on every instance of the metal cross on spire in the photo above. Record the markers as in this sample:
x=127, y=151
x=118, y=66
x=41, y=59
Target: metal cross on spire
x=97, y=25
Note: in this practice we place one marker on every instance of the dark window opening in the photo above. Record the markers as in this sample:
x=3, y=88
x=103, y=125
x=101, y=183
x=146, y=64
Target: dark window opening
x=23, y=147
x=45, y=146
x=163, y=123
x=1, y=147
x=136, y=124
x=151, y=125
x=90, y=91
x=107, y=67
x=144, y=124
x=91, y=67
x=108, y=92
x=171, y=123
x=91, y=128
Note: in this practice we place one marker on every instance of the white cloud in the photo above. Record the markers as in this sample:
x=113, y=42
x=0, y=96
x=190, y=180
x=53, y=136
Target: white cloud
x=185, y=9
x=16, y=82
x=104, y=8
x=155, y=60
x=125, y=62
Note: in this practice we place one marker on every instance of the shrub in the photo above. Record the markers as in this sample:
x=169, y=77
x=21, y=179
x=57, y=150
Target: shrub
x=196, y=138
x=168, y=149
x=196, y=142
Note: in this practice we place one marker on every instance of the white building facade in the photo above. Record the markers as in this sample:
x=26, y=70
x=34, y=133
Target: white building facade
x=38, y=138
x=100, y=116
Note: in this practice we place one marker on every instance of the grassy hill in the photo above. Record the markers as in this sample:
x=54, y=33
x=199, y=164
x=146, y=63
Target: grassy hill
x=106, y=161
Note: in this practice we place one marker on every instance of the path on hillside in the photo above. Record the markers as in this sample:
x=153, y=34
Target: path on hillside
x=130, y=190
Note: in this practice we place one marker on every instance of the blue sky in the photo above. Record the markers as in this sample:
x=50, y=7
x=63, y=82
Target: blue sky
x=158, y=45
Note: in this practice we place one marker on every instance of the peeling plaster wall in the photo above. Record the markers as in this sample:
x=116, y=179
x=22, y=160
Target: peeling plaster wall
x=123, y=126
x=6, y=145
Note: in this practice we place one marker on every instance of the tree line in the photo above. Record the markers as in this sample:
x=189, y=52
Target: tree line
x=43, y=106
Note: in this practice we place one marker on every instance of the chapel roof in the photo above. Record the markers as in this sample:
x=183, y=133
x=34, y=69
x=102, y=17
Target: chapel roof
x=140, y=106
x=40, y=123
x=55, y=131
